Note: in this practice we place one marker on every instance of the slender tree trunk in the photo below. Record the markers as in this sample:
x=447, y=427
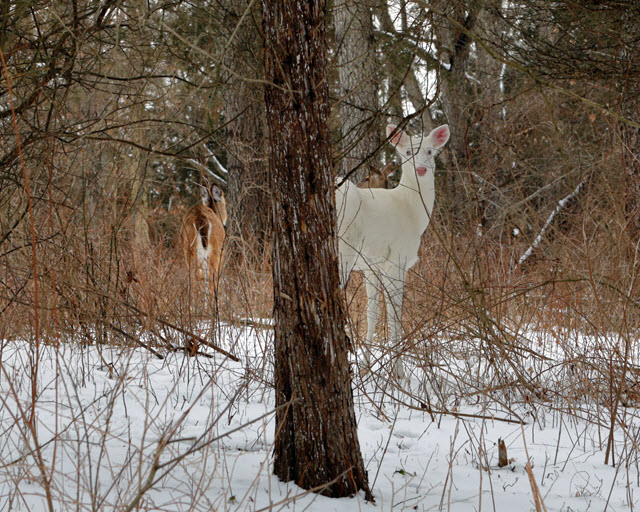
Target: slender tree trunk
x=631, y=144
x=358, y=89
x=454, y=46
x=631, y=135
x=316, y=435
x=488, y=94
x=247, y=186
x=490, y=27
x=137, y=169
x=403, y=74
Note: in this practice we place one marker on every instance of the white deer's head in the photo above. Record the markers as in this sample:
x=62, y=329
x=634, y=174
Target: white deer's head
x=419, y=151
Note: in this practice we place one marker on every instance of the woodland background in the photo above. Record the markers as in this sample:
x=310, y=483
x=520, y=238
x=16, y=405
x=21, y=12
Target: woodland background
x=111, y=111
x=526, y=295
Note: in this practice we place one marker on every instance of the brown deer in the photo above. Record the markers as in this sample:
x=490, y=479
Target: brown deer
x=378, y=178
x=202, y=236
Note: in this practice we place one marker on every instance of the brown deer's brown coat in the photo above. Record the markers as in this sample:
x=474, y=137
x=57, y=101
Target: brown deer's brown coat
x=378, y=178
x=202, y=235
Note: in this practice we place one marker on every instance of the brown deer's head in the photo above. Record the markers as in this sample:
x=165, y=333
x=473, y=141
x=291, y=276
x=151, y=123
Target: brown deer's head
x=213, y=197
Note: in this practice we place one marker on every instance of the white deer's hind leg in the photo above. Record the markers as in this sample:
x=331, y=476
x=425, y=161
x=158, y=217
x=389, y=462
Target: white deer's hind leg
x=372, y=284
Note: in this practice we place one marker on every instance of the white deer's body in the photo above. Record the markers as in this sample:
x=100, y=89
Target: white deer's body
x=379, y=230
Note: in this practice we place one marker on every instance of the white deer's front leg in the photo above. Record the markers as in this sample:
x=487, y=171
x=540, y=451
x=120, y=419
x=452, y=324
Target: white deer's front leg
x=372, y=284
x=393, y=283
x=346, y=260
x=346, y=264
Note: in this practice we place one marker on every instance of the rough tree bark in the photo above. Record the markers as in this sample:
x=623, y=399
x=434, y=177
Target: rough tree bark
x=356, y=50
x=316, y=442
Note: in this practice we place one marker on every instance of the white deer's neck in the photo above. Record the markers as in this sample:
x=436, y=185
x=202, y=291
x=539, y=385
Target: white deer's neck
x=420, y=190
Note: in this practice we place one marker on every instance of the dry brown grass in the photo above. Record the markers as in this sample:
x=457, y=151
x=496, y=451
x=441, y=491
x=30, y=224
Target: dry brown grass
x=467, y=301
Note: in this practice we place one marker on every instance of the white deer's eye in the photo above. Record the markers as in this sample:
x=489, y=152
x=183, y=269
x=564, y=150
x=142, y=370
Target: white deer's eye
x=408, y=152
x=429, y=152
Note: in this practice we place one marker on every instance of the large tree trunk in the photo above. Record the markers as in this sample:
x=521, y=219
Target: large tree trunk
x=359, y=123
x=316, y=442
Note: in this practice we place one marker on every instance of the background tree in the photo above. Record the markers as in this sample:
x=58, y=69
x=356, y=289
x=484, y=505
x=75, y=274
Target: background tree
x=316, y=437
x=359, y=117
x=244, y=123
x=404, y=55
x=111, y=111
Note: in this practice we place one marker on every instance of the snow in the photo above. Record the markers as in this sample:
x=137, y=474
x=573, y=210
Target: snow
x=106, y=416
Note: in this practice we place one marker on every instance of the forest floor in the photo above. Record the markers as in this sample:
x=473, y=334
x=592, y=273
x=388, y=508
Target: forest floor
x=117, y=428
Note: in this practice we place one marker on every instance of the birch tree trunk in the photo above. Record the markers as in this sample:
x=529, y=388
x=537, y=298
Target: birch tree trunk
x=316, y=437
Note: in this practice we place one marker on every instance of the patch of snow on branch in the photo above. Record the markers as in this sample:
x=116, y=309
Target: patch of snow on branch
x=561, y=204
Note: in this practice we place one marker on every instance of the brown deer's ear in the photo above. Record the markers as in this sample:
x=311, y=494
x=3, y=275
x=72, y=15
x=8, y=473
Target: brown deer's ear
x=204, y=192
x=216, y=193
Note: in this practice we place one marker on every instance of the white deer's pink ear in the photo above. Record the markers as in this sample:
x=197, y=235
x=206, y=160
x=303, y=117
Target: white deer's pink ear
x=440, y=135
x=396, y=136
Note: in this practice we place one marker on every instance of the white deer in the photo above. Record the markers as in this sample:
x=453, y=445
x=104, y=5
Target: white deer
x=379, y=230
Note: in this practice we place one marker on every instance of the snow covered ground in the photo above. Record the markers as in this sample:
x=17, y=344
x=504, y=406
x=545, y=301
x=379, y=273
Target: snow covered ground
x=119, y=429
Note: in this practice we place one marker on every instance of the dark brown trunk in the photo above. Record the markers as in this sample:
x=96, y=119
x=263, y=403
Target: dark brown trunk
x=247, y=189
x=454, y=48
x=630, y=134
x=316, y=437
x=631, y=143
